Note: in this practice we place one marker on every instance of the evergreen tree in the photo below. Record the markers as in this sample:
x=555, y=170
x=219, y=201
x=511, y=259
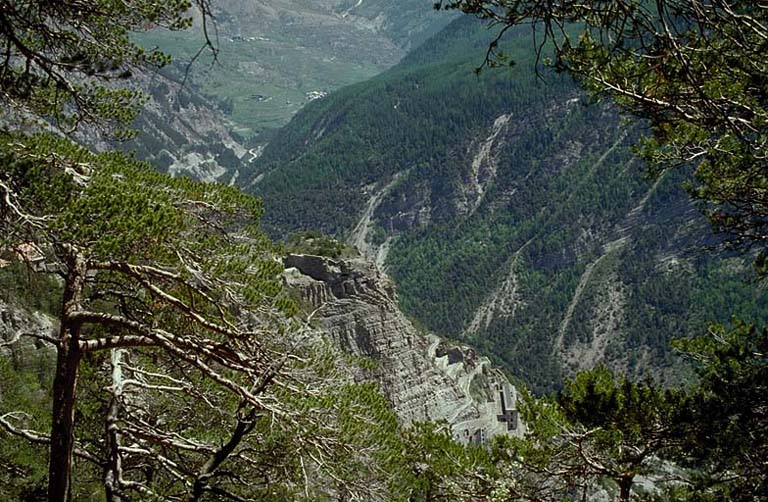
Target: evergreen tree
x=181, y=371
x=723, y=423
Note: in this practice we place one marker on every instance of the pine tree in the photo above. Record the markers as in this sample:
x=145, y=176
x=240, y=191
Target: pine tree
x=182, y=370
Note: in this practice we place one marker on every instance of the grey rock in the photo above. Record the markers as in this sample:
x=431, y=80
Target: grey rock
x=19, y=327
x=424, y=376
x=20, y=342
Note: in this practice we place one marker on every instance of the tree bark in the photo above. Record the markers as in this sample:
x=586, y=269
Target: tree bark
x=65, y=387
x=242, y=429
x=63, y=423
x=113, y=468
x=625, y=488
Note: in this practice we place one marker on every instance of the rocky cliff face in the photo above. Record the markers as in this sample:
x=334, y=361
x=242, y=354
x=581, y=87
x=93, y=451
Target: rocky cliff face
x=21, y=339
x=511, y=216
x=185, y=133
x=355, y=305
x=16, y=322
x=425, y=377
x=181, y=131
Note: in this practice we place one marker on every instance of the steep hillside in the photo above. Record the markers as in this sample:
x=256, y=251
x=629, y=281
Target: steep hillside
x=181, y=131
x=511, y=215
x=210, y=120
x=406, y=23
x=424, y=377
x=274, y=57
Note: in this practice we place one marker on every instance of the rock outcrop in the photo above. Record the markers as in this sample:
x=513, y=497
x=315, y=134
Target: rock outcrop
x=21, y=339
x=425, y=377
x=19, y=326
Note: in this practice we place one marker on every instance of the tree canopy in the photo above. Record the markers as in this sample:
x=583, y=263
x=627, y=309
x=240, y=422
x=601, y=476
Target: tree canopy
x=181, y=369
x=173, y=279
x=67, y=61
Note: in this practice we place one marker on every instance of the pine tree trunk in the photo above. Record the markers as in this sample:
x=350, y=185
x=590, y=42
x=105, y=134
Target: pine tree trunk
x=113, y=468
x=625, y=488
x=63, y=423
x=65, y=385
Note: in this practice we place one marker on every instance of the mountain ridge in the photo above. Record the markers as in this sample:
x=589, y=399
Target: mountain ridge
x=449, y=178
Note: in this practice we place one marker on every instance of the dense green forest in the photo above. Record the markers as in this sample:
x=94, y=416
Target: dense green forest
x=607, y=263
x=150, y=351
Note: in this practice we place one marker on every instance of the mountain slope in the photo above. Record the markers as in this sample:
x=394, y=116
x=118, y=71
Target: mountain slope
x=276, y=56
x=273, y=58
x=179, y=130
x=511, y=215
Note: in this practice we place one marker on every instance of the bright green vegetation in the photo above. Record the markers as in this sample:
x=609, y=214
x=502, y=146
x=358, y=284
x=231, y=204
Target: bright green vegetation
x=318, y=244
x=23, y=466
x=174, y=324
x=604, y=263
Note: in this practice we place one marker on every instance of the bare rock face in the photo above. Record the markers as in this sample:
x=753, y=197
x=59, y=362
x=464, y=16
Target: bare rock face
x=20, y=338
x=425, y=377
x=180, y=131
x=19, y=326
